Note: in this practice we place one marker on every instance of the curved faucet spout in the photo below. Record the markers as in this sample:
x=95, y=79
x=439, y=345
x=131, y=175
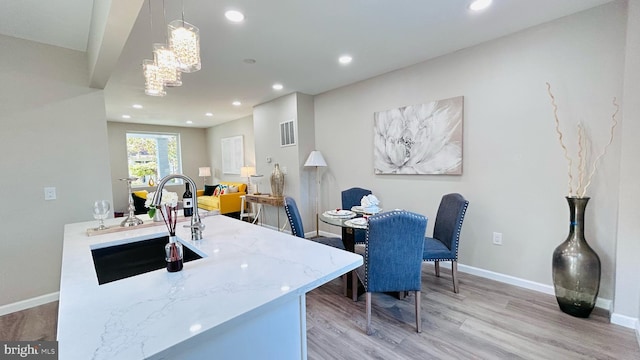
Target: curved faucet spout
x=196, y=225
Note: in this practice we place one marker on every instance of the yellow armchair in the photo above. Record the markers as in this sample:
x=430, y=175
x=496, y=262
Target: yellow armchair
x=225, y=203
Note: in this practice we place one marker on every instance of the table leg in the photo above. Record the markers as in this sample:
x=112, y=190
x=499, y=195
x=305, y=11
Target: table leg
x=348, y=240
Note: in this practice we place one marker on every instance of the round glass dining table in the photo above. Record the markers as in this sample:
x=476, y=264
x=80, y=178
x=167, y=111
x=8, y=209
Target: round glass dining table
x=348, y=229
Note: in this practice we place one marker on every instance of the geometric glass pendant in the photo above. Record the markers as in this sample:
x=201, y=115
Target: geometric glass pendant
x=153, y=83
x=184, y=40
x=167, y=65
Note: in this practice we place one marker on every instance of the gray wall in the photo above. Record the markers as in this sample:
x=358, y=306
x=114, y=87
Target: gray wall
x=514, y=173
x=52, y=133
x=193, y=145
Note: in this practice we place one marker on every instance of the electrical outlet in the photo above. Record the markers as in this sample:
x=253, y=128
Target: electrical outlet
x=497, y=238
x=49, y=193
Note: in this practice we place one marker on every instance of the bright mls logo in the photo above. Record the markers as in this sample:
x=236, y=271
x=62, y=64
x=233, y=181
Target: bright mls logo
x=29, y=350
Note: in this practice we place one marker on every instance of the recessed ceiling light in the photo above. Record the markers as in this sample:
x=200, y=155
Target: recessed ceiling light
x=345, y=59
x=208, y=114
x=189, y=122
x=137, y=106
x=277, y=86
x=234, y=16
x=236, y=103
x=478, y=5
x=126, y=116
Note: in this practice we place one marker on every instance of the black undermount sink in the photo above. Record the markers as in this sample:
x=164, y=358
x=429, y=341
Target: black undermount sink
x=122, y=261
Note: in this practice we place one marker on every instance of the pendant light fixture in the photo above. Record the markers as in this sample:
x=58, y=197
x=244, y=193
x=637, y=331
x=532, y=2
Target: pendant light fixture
x=167, y=65
x=166, y=59
x=180, y=53
x=184, y=40
x=153, y=83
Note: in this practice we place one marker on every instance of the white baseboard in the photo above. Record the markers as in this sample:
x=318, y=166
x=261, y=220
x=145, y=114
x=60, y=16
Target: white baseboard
x=527, y=284
x=625, y=321
x=29, y=303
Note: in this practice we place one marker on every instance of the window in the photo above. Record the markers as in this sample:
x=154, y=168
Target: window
x=152, y=156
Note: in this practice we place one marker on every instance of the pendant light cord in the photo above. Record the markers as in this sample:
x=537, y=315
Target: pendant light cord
x=164, y=14
x=150, y=21
x=182, y=13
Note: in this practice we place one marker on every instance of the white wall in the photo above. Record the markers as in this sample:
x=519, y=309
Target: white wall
x=52, y=133
x=193, y=146
x=627, y=286
x=214, y=136
x=514, y=174
x=299, y=181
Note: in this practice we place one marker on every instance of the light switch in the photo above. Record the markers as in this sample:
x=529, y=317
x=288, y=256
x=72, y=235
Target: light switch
x=49, y=193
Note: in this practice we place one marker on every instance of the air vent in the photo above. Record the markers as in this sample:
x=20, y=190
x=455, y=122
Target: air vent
x=287, y=133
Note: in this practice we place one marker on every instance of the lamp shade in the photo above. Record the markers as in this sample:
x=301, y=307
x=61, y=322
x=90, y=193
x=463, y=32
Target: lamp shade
x=247, y=171
x=204, y=171
x=315, y=159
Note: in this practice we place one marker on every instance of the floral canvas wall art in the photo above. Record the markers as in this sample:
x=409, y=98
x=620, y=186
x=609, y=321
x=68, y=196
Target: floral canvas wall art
x=419, y=139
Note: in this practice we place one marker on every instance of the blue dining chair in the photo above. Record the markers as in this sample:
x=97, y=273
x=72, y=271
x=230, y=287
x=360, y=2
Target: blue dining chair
x=350, y=198
x=297, y=229
x=295, y=222
x=443, y=246
x=394, y=246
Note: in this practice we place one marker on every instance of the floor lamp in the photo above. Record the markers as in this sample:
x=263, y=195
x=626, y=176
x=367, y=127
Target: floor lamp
x=316, y=159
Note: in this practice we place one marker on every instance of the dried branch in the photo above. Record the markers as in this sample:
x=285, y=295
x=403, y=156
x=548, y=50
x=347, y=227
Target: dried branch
x=582, y=148
x=564, y=148
x=614, y=123
x=582, y=156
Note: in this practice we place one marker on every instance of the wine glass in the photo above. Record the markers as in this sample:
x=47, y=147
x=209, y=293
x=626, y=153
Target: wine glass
x=100, y=211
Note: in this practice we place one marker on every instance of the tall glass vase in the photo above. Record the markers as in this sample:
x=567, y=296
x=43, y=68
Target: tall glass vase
x=576, y=267
x=277, y=182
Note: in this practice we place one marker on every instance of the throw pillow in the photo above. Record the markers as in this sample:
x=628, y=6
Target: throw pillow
x=138, y=203
x=216, y=192
x=233, y=189
x=209, y=189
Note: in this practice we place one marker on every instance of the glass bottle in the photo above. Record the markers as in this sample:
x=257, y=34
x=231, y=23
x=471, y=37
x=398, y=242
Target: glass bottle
x=174, y=255
x=187, y=202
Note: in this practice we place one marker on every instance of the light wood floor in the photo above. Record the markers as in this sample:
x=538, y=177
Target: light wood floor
x=486, y=320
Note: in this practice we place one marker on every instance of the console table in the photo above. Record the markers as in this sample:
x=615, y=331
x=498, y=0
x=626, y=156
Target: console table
x=276, y=201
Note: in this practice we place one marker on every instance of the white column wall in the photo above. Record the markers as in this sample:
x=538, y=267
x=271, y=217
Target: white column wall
x=627, y=287
x=53, y=133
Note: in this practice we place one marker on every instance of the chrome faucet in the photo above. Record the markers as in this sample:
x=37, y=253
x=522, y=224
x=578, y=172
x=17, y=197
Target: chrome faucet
x=196, y=225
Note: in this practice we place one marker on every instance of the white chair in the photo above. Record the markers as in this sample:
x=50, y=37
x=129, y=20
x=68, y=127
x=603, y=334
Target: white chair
x=251, y=215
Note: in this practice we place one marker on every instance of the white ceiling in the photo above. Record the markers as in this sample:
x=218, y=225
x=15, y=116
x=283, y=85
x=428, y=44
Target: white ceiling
x=294, y=42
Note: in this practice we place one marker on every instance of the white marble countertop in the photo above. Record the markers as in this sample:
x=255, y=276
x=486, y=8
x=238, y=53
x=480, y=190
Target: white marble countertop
x=244, y=268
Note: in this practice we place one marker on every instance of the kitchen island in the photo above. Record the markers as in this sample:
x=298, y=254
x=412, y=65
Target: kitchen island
x=244, y=299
